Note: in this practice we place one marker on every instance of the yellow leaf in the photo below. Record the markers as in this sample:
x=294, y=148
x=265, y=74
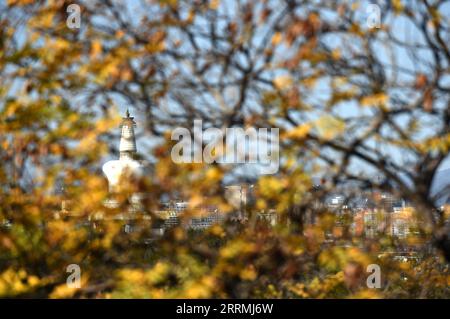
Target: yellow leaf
x=397, y=5
x=96, y=48
x=309, y=82
x=214, y=4
x=329, y=127
x=276, y=38
x=248, y=273
x=283, y=81
x=355, y=5
x=376, y=99
x=336, y=54
x=213, y=174
x=47, y=19
x=299, y=132
x=19, y=2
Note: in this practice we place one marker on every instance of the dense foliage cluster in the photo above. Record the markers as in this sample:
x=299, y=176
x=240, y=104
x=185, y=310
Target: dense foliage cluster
x=355, y=103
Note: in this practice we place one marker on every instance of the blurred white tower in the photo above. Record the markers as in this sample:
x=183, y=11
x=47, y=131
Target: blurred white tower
x=127, y=147
x=125, y=167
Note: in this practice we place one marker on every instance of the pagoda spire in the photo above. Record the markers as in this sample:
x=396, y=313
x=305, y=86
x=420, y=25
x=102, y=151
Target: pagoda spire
x=127, y=147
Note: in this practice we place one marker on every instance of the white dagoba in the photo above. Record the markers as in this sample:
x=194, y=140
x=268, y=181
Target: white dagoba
x=125, y=167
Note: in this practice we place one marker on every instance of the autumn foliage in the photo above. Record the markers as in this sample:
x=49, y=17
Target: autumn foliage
x=360, y=106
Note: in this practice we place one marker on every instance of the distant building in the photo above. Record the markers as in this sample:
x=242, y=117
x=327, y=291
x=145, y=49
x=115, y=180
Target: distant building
x=126, y=171
x=365, y=214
